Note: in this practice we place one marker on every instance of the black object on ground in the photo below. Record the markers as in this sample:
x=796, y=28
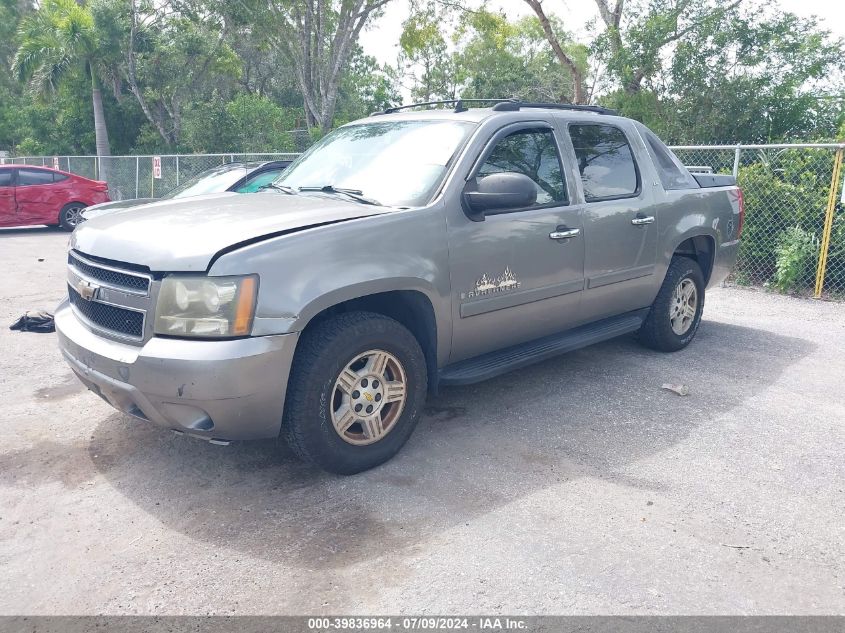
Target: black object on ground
x=35, y=321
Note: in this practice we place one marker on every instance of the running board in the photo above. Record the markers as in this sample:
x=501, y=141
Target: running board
x=502, y=361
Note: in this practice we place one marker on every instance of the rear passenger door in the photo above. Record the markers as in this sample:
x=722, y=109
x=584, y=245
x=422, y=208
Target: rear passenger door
x=7, y=197
x=620, y=223
x=37, y=197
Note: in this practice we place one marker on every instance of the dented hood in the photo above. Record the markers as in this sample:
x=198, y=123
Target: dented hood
x=184, y=235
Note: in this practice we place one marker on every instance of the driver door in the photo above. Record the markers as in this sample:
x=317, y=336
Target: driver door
x=514, y=278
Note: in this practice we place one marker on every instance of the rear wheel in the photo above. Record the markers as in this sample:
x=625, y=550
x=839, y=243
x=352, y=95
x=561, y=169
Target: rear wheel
x=357, y=387
x=71, y=216
x=676, y=312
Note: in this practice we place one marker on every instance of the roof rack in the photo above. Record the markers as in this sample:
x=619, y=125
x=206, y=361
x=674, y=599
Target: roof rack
x=459, y=105
x=513, y=105
x=501, y=105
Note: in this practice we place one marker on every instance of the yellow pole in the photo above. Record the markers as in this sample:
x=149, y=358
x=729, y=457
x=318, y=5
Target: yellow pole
x=828, y=222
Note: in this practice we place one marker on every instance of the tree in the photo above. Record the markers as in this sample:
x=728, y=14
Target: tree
x=634, y=53
x=215, y=75
x=12, y=128
x=425, y=56
x=365, y=87
x=317, y=37
x=56, y=40
x=483, y=54
x=734, y=75
x=498, y=57
x=756, y=78
x=247, y=123
x=565, y=58
x=173, y=55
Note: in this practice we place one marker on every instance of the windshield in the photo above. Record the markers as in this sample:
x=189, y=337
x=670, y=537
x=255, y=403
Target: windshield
x=210, y=181
x=397, y=163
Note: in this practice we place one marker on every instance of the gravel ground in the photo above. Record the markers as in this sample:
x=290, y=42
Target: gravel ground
x=577, y=486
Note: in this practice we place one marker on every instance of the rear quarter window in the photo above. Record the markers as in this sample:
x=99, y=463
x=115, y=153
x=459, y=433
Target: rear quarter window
x=605, y=161
x=5, y=177
x=673, y=175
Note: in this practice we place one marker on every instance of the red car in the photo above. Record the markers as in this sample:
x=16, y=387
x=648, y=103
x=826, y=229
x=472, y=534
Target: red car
x=39, y=195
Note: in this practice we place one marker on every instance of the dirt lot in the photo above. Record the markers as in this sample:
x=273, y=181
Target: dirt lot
x=576, y=486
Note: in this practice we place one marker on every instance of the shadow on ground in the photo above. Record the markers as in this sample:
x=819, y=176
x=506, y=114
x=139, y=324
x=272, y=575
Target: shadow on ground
x=18, y=231
x=586, y=414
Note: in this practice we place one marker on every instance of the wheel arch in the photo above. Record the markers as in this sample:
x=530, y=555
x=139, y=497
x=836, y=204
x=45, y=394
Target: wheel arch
x=701, y=248
x=413, y=308
x=70, y=203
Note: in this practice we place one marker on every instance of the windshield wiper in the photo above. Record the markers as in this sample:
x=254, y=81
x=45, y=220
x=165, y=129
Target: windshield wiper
x=355, y=194
x=275, y=187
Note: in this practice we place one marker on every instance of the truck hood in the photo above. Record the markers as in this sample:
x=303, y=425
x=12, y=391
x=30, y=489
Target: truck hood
x=185, y=235
x=96, y=210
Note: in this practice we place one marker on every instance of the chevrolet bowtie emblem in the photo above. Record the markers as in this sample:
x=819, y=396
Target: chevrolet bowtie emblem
x=87, y=290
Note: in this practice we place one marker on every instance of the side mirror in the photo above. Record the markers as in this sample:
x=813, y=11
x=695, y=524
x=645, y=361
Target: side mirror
x=497, y=193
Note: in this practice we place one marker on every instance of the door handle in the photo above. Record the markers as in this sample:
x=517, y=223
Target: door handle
x=563, y=233
x=641, y=219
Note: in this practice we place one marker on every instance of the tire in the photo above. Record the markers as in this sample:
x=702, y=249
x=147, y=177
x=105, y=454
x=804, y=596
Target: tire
x=69, y=216
x=318, y=397
x=659, y=331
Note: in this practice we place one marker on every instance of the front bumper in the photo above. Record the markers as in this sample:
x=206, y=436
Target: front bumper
x=216, y=390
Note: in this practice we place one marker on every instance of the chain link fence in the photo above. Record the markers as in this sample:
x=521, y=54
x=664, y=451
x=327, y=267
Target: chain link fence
x=793, y=214
x=793, y=240
x=135, y=176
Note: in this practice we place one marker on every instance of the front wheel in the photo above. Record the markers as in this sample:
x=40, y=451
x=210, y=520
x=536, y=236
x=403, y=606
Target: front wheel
x=676, y=312
x=71, y=216
x=357, y=387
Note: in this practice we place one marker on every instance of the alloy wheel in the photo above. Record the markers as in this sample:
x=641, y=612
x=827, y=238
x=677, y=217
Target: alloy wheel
x=368, y=397
x=683, y=307
x=73, y=216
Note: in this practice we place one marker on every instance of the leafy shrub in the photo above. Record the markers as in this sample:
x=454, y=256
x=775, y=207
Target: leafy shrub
x=835, y=274
x=797, y=254
x=785, y=195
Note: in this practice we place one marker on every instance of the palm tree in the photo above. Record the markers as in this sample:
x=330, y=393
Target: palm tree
x=56, y=39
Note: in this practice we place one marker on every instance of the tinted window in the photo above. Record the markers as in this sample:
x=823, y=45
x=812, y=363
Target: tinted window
x=254, y=183
x=34, y=177
x=59, y=177
x=5, y=177
x=533, y=153
x=672, y=174
x=605, y=161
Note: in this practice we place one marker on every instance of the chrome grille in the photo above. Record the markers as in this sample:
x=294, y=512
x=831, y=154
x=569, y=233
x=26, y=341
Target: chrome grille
x=111, y=298
x=120, y=279
x=121, y=321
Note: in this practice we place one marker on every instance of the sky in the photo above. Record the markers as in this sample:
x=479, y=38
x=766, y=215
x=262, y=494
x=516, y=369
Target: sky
x=381, y=40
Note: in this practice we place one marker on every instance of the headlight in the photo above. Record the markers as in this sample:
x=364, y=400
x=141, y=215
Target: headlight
x=206, y=307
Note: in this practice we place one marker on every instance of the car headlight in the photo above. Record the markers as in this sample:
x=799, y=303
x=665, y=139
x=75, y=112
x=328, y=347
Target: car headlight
x=206, y=307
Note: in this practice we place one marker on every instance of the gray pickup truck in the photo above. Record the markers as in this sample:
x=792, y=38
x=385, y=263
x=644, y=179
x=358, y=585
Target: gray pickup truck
x=411, y=250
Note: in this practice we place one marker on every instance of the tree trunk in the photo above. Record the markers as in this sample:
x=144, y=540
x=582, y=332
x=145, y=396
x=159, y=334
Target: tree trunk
x=565, y=60
x=101, y=132
x=318, y=53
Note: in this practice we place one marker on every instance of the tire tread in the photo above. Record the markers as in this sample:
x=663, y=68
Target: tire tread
x=656, y=332
x=316, y=342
